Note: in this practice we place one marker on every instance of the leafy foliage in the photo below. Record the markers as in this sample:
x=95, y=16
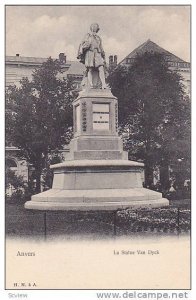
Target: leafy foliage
x=17, y=184
x=12, y=179
x=154, y=113
x=47, y=174
x=39, y=114
x=155, y=219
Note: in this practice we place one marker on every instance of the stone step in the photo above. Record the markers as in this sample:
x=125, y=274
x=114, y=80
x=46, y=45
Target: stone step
x=104, y=199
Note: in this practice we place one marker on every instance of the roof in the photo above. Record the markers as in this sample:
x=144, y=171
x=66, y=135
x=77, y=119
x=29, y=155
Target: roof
x=73, y=67
x=23, y=59
x=76, y=68
x=149, y=46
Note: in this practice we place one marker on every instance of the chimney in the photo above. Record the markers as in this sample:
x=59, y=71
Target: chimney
x=17, y=54
x=115, y=60
x=110, y=60
x=62, y=58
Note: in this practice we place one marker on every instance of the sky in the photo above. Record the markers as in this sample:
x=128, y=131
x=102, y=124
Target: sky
x=43, y=31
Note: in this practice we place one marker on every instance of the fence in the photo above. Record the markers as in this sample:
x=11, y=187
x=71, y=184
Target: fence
x=170, y=220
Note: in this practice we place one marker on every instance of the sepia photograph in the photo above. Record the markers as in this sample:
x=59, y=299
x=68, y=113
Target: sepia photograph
x=97, y=147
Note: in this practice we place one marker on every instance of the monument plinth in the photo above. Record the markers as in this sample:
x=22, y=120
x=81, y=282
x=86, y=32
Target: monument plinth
x=95, y=115
x=97, y=174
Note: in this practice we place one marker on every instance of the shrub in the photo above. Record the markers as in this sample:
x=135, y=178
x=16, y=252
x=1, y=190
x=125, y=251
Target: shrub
x=159, y=219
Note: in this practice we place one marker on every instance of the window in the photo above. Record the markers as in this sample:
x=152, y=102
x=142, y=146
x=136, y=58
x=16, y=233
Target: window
x=101, y=116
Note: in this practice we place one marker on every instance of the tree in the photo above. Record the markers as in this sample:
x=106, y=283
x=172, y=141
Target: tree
x=12, y=179
x=47, y=174
x=154, y=116
x=39, y=114
x=17, y=185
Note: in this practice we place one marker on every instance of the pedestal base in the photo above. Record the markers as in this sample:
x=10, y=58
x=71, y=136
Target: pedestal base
x=102, y=199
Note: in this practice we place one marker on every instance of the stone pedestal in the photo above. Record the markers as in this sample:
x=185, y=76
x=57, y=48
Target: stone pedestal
x=97, y=174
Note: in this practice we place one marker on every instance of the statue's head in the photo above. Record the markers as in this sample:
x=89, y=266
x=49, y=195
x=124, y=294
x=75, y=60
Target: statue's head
x=94, y=27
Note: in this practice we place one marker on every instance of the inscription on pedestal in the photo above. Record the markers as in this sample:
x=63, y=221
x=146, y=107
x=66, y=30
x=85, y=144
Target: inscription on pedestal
x=101, y=116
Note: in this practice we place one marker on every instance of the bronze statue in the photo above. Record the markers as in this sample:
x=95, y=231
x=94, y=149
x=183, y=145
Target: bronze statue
x=92, y=55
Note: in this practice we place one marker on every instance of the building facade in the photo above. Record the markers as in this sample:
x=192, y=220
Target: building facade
x=18, y=67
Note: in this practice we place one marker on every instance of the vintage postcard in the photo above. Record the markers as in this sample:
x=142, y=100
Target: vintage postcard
x=97, y=155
